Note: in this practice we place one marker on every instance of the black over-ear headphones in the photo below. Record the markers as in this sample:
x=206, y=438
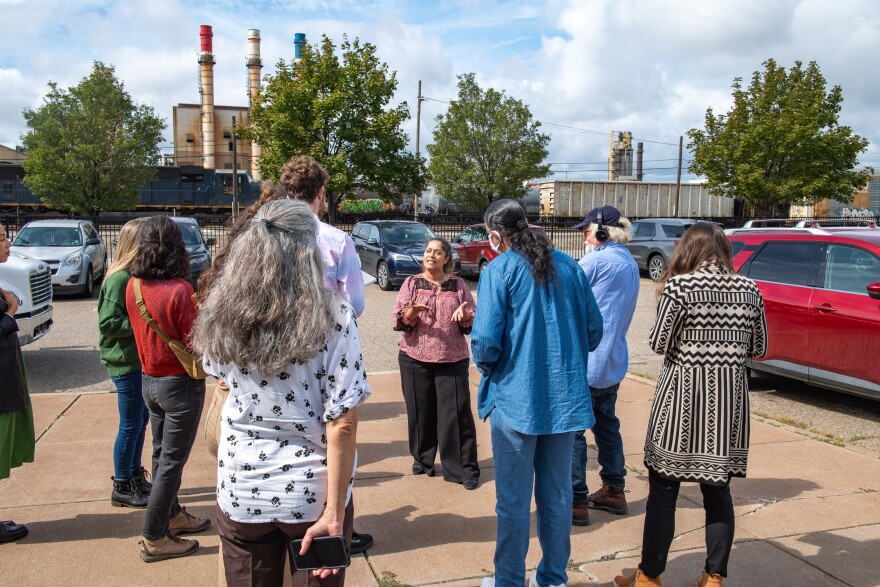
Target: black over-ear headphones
x=601, y=234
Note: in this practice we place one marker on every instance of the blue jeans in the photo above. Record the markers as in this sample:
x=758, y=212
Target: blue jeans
x=175, y=404
x=608, y=441
x=133, y=418
x=521, y=462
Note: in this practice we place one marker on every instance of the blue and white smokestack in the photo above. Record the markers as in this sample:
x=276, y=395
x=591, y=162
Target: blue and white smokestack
x=299, y=40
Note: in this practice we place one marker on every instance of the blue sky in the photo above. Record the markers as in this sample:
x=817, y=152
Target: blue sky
x=591, y=66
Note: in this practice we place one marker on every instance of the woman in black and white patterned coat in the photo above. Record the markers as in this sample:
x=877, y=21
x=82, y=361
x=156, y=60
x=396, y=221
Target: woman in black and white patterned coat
x=290, y=351
x=709, y=321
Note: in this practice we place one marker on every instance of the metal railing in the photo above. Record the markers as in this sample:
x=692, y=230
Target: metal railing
x=557, y=228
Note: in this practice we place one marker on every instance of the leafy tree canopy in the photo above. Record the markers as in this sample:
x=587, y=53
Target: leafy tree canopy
x=486, y=147
x=781, y=143
x=336, y=111
x=90, y=148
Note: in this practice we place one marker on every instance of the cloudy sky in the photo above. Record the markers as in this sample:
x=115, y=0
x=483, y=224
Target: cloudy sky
x=585, y=67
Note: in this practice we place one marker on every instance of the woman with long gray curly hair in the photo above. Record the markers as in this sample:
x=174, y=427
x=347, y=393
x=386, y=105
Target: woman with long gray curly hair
x=289, y=350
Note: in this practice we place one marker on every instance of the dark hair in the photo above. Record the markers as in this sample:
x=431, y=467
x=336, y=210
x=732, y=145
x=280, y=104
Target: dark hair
x=449, y=266
x=162, y=254
x=509, y=219
x=701, y=242
x=268, y=192
x=302, y=177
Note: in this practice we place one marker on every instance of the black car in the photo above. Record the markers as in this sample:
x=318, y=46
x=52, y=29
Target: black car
x=392, y=250
x=196, y=245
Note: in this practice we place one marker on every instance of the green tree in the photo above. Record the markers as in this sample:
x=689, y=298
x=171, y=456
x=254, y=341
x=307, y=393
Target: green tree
x=90, y=148
x=781, y=143
x=336, y=111
x=486, y=147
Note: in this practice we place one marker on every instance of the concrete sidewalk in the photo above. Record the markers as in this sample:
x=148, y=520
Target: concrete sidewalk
x=809, y=513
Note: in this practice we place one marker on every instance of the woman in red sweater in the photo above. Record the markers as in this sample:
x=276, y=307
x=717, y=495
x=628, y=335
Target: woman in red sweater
x=174, y=399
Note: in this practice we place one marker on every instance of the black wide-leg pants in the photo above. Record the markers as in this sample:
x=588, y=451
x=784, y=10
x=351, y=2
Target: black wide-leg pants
x=438, y=411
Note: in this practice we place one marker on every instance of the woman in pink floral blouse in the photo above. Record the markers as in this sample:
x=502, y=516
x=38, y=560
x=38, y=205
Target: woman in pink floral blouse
x=434, y=312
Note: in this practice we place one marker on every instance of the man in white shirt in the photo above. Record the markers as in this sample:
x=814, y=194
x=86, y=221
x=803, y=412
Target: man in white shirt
x=304, y=179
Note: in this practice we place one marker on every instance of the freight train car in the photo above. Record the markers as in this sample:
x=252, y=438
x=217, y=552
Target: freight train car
x=187, y=188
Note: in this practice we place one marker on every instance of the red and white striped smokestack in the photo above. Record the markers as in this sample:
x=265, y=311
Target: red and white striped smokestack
x=254, y=65
x=206, y=67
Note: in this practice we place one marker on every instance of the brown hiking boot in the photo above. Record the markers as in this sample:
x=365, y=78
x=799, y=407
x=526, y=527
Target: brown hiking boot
x=609, y=499
x=580, y=515
x=637, y=579
x=165, y=548
x=707, y=580
x=185, y=523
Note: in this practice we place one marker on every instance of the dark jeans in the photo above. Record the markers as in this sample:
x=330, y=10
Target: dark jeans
x=438, y=412
x=175, y=405
x=606, y=430
x=254, y=554
x=133, y=418
x=660, y=525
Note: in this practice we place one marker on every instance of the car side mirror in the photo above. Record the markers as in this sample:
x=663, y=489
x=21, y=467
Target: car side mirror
x=93, y=241
x=874, y=290
x=372, y=241
x=210, y=241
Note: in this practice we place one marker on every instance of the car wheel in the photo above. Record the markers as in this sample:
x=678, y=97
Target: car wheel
x=482, y=268
x=656, y=267
x=89, y=286
x=383, y=278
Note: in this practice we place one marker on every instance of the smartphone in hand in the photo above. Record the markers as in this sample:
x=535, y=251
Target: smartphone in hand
x=325, y=552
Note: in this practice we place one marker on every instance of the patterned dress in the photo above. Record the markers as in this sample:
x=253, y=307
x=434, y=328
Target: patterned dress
x=708, y=323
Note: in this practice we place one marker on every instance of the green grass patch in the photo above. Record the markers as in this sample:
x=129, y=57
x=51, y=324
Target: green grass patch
x=389, y=579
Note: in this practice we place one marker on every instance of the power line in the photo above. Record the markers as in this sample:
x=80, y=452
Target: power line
x=572, y=128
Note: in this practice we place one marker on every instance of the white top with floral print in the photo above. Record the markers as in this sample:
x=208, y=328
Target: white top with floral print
x=272, y=458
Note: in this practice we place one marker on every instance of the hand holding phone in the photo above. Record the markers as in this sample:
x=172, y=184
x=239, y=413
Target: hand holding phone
x=325, y=552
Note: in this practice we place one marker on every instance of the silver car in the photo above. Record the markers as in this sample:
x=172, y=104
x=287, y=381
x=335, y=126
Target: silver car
x=73, y=249
x=653, y=240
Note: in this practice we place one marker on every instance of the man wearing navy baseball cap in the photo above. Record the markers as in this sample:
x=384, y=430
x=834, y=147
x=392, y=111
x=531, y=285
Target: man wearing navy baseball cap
x=614, y=278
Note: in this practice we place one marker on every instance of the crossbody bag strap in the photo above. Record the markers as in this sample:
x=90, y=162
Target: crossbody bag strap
x=139, y=298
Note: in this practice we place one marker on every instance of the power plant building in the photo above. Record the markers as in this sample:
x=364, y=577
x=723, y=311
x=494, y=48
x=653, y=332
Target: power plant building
x=189, y=147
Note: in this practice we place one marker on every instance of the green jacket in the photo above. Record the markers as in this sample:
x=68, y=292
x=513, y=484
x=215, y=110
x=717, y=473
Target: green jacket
x=115, y=337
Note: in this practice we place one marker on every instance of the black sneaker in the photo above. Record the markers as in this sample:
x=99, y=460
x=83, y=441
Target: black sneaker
x=360, y=543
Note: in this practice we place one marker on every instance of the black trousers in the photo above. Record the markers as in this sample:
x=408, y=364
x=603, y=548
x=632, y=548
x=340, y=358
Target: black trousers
x=438, y=411
x=660, y=525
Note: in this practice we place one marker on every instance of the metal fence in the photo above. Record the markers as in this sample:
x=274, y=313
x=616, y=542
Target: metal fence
x=557, y=228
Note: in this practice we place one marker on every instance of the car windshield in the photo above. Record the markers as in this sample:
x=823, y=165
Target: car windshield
x=407, y=234
x=48, y=236
x=191, y=235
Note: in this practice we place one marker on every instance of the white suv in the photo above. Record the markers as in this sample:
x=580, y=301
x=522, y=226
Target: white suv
x=31, y=282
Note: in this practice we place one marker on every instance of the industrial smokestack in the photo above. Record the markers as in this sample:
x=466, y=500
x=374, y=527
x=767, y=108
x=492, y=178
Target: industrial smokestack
x=640, y=150
x=299, y=40
x=206, y=89
x=254, y=65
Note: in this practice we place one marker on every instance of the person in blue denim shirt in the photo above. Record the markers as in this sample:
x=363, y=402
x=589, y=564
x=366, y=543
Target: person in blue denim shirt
x=535, y=325
x=614, y=277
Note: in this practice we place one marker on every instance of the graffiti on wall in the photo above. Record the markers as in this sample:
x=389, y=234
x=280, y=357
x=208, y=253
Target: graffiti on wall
x=857, y=213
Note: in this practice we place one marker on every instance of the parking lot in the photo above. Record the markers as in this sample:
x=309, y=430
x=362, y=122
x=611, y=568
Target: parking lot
x=67, y=359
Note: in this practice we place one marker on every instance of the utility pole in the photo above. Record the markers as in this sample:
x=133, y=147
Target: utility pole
x=234, y=172
x=678, y=178
x=418, y=127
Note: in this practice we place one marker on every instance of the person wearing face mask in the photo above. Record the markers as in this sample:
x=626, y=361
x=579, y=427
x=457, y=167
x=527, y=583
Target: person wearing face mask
x=614, y=279
x=434, y=311
x=536, y=323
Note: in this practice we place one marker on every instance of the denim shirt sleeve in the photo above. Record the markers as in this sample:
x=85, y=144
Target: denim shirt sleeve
x=594, y=316
x=490, y=320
